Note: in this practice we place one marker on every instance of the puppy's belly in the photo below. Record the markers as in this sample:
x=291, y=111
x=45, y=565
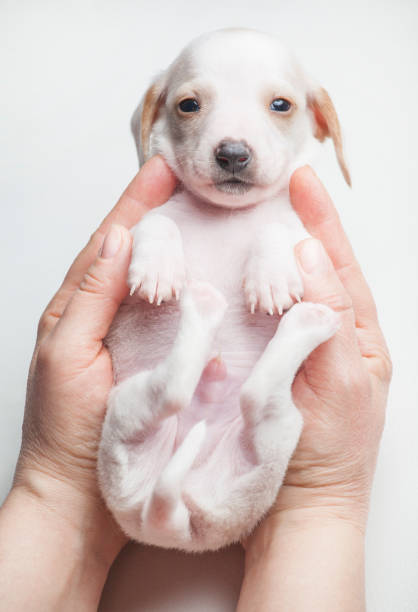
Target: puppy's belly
x=142, y=334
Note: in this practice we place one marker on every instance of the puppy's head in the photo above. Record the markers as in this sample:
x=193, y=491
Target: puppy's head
x=234, y=115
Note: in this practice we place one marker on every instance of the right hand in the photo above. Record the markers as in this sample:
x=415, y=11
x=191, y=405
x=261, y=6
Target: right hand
x=71, y=371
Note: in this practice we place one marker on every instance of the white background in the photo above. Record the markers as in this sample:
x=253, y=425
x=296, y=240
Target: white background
x=71, y=75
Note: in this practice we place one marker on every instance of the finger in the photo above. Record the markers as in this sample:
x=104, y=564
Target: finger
x=87, y=317
x=323, y=285
x=318, y=214
x=316, y=210
x=152, y=186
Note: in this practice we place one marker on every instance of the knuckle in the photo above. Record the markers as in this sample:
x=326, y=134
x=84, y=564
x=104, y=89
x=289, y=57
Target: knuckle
x=92, y=283
x=385, y=365
x=48, y=319
x=96, y=239
x=339, y=301
x=44, y=324
x=47, y=355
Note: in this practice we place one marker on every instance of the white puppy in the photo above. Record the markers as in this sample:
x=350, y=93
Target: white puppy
x=201, y=425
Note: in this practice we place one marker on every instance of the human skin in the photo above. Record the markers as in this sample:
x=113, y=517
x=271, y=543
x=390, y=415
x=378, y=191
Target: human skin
x=55, y=504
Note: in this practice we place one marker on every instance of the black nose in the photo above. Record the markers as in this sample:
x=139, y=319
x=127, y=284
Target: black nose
x=232, y=155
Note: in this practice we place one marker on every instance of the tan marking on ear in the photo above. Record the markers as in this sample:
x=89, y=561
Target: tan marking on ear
x=327, y=125
x=150, y=107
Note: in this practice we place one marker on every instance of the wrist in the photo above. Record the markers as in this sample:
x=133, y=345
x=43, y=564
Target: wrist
x=80, y=515
x=51, y=560
x=348, y=502
x=303, y=559
x=57, y=542
x=296, y=512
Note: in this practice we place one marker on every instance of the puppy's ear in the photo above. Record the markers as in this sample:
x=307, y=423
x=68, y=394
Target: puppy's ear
x=327, y=125
x=144, y=117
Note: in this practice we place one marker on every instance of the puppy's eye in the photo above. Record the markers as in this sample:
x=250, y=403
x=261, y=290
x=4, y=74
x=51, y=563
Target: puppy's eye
x=189, y=105
x=280, y=105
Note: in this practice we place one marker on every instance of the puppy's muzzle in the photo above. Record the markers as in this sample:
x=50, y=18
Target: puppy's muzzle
x=233, y=156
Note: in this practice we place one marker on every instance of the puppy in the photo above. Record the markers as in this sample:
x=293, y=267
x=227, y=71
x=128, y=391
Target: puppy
x=201, y=424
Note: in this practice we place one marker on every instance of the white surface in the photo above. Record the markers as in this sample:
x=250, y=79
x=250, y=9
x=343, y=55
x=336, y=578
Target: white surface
x=71, y=76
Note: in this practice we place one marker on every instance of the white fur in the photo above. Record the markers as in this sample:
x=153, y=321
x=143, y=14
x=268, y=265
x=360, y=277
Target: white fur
x=192, y=454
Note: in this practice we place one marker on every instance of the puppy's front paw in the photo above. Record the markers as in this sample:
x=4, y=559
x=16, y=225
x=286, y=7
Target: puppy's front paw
x=272, y=286
x=157, y=275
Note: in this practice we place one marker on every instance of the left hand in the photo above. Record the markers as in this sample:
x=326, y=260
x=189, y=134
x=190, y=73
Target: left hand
x=341, y=389
x=71, y=371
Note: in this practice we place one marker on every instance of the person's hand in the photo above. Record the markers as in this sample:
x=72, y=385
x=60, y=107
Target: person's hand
x=341, y=390
x=71, y=372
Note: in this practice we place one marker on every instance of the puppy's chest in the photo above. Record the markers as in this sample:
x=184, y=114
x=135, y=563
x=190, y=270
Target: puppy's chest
x=216, y=242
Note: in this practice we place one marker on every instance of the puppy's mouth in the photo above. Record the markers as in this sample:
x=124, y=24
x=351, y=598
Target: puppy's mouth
x=234, y=186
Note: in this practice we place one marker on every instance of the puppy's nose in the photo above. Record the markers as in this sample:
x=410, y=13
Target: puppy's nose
x=232, y=155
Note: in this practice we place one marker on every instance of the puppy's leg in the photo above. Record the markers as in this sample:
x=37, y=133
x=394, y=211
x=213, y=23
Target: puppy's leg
x=141, y=483
x=157, y=271
x=272, y=280
x=272, y=420
x=146, y=398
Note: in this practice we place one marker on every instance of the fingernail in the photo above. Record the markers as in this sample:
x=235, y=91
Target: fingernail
x=310, y=169
x=111, y=243
x=312, y=257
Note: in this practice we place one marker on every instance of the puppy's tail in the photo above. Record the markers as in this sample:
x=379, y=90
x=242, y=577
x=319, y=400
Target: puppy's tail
x=166, y=510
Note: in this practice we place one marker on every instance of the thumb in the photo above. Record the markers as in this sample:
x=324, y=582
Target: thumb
x=89, y=313
x=322, y=285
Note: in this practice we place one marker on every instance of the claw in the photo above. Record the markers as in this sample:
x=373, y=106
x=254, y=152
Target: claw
x=252, y=308
x=160, y=299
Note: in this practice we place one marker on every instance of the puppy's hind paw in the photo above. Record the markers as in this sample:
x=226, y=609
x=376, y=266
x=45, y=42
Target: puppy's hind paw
x=314, y=320
x=206, y=302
